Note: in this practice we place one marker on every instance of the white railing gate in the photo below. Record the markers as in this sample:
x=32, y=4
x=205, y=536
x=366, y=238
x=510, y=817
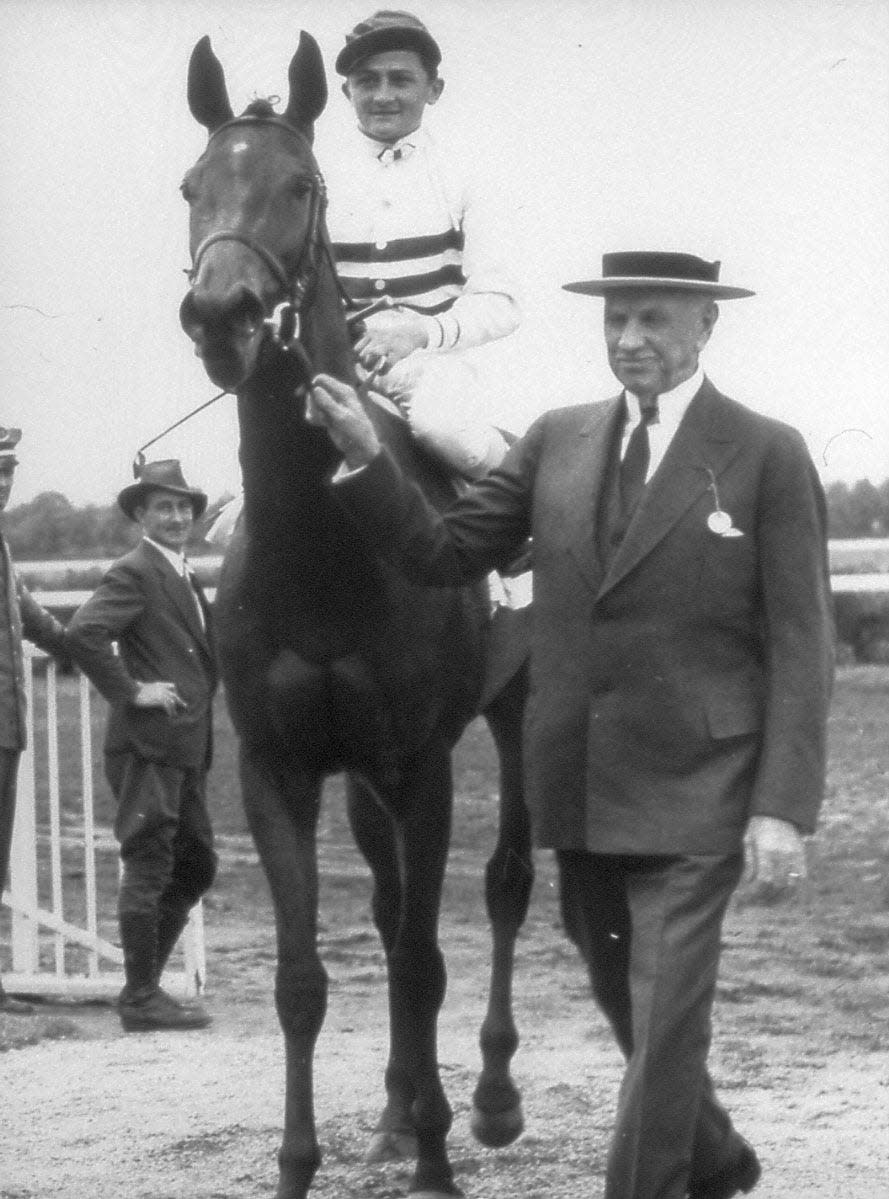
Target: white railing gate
x=61, y=919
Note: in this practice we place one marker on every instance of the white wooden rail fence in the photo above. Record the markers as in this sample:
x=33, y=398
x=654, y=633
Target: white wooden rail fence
x=61, y=927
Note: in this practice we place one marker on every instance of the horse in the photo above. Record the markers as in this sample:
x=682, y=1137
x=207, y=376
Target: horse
x=332, y=662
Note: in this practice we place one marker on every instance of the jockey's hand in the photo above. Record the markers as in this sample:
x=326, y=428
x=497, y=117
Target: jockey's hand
x=775, y=859
x=336, y=406
x=385, y=344
x=159, y=695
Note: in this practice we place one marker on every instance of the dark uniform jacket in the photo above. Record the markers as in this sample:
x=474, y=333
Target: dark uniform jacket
x=20, y=616
x=681, y=683
x=149, y=610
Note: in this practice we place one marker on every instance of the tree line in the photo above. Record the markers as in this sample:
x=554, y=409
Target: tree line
x=859, y=510
x=50, y=526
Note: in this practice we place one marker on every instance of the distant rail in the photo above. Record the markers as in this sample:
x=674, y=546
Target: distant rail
x=858, y=566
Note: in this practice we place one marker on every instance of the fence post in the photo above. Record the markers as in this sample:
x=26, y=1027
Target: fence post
x=23, y=861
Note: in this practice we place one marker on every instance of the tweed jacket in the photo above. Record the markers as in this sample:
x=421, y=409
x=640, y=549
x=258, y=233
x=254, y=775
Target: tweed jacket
x=20, y=616
x=144, y=606
x=680, y=684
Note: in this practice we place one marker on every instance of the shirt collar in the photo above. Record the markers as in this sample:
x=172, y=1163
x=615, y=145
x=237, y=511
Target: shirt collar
x=176, y=559
x=374, y=149
x=671, y=404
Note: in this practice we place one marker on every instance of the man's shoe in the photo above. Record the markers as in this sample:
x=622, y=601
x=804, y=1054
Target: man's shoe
x=10, y=1006
x=741, y=1176
x=158, y=1011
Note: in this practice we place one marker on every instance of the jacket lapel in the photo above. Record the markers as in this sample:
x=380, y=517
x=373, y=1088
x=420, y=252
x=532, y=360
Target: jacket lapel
x=585, y=473
x=702, y=444
x=178, y=591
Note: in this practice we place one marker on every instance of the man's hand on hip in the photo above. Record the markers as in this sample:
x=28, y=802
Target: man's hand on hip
x=159, y=695
x=336, y=406
x=775, y=858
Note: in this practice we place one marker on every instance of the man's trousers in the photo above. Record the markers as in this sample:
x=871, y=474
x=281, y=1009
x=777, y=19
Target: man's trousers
x=649, y=930
x=166, y=842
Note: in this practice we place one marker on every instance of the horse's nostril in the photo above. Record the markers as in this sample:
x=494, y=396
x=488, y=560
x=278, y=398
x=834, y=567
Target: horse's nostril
x=239, y=310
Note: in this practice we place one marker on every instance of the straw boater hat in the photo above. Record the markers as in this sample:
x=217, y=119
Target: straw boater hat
x=165, y=475
x=387, y=29
x=9, y=439
x=646, y=269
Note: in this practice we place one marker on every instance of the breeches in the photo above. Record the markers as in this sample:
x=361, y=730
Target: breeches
x=443, y=399
x=9, y=765
x=649, y=930
x=166, y=842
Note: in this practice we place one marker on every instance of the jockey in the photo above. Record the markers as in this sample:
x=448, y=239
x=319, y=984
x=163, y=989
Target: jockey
x=414, y=237
x=410, y=230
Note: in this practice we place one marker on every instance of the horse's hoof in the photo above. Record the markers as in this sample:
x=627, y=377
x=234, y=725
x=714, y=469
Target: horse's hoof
x=496, y=1129
x=391, y=1147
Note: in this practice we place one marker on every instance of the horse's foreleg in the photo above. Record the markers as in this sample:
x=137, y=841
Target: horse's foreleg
x=497, y=1107
x=282, y=815
x=416, y=967
x=394, y=1137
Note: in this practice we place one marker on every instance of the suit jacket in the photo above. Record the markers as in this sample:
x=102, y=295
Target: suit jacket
x=144, y=606
x=680, y=684
x=20, y=616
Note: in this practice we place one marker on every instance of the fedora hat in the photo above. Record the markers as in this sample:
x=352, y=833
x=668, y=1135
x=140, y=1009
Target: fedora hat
x=164, y=475
x=387, y=29
x=658, y=269
x=9, y=439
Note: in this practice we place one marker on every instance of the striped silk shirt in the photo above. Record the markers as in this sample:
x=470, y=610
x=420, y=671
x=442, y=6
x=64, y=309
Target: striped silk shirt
x=405, y=224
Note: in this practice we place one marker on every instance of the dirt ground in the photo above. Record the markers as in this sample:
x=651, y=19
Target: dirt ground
x=110, y=1116
x=800, y=1056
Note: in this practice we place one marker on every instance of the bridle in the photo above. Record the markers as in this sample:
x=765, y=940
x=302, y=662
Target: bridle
x=286, y=319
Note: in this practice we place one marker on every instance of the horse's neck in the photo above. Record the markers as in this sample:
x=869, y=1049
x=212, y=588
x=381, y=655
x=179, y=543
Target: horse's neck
x=284, y=460
x=287, y=465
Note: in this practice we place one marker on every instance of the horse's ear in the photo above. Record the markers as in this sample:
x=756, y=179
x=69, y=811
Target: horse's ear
x=207, y=93
x=308, y=85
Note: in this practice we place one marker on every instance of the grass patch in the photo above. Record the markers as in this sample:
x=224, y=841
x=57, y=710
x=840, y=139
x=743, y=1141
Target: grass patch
x=17, y=1032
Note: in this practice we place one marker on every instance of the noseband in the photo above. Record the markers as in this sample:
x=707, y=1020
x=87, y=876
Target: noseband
x=285, y=321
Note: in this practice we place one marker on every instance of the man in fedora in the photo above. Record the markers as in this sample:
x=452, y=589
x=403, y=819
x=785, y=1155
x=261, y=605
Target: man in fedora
x=160, y=687
x=681, y=666
x=414, y=234
x=20, y=616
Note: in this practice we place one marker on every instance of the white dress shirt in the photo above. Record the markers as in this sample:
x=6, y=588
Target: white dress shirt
x=672, y=407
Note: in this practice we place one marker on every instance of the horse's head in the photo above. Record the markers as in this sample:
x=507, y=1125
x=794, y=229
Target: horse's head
x=261, y=263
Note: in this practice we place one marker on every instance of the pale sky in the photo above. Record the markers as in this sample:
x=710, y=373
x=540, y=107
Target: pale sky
x=753, y=131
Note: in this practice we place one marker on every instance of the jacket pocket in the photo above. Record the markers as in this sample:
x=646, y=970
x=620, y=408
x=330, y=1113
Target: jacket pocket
x=733, y=715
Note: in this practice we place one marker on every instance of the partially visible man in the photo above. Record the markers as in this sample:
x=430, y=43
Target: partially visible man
x=20, y=616
x=158, y=745
x=413, y=231
x=681, y=668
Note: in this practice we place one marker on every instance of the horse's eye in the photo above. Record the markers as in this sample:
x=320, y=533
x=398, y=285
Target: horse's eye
x=301, y=186
x=187, y=193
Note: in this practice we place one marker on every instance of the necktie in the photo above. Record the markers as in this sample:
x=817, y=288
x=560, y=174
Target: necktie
x=189, y=578
x=634, y=464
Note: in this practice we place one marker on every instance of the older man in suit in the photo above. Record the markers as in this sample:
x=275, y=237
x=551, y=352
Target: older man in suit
x=20, y=616
x=160, y=686
x=681, y=668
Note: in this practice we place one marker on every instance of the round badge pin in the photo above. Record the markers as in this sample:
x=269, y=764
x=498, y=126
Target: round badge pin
x=719, y=522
